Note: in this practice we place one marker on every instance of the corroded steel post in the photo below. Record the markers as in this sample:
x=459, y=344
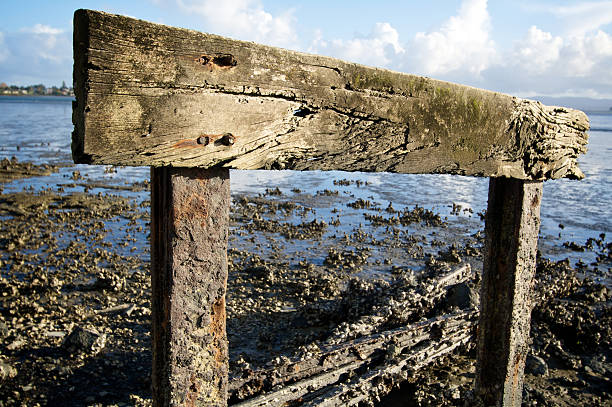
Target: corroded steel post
x=189, y=231
x=512, y=224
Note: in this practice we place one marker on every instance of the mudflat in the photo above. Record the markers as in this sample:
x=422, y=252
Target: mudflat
x=75, y=301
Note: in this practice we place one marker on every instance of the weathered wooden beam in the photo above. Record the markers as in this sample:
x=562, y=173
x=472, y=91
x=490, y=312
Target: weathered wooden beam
x=398, y=312
x=380, y=381
x=511, y=227
x=335, y=371
x=336, y=358
x=363, y=351
x=148, y=94
x=189, y=232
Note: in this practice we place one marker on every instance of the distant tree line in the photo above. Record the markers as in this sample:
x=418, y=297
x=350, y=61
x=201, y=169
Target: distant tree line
x=36, y=90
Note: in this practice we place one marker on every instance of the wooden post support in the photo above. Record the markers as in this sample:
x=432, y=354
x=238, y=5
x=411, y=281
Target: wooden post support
x=189, y=232
x=512, y=224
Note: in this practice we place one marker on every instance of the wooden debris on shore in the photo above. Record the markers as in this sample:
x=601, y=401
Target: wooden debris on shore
x=367, y=367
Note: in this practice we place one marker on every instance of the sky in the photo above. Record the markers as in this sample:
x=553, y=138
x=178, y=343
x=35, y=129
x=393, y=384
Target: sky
x=521, y=47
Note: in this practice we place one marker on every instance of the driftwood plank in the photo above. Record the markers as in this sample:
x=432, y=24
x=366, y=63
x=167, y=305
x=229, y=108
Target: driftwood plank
x=189, y=231
x=384, y=355
x=368, y=348
x=399, y=312
x=365, y=350
x=380, y=381
x=148, y=94
x=511, y=228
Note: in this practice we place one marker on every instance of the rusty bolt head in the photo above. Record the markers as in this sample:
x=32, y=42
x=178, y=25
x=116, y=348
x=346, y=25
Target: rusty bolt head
x=204, y=140
x=228, y=139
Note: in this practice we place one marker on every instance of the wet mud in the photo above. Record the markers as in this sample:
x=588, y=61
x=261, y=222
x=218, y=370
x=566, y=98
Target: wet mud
x=307, y=272
x=13, y=169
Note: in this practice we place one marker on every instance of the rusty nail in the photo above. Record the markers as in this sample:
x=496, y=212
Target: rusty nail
x=228, y=139
x=204, y=140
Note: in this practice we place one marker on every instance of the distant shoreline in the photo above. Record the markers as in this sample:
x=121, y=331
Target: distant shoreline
x=39, y=97
x=597, y=112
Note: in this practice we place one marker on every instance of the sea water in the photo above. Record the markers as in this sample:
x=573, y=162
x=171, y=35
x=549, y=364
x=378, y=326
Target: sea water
x=38, y=130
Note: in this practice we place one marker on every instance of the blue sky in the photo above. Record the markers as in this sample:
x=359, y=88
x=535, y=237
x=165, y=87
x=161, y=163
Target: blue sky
x=525, y=48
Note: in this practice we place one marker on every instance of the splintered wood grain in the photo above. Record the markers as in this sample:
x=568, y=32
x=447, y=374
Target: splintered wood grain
x=149, y=94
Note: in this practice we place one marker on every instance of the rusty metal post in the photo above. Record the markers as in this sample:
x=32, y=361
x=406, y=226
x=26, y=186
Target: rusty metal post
x=189, y=232
x=511, y=228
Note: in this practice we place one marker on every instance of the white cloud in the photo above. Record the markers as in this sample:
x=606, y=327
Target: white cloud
x=576, y=61
x=46, y=43
x=575, y=58
x=566, y=60
x=317, y=42
x=36, y=54
x=572, y=62
x=584, y=17
x=538, y=51
x=244, y=19
x=42, y=29
x=380, y=48
x=587, y=55
x=462, y=44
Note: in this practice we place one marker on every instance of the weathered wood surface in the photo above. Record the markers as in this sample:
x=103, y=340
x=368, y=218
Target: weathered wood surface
x=380, y=381
x=511, y=227
x=370, y=348
x=148, y=94
x=397, y=312
x=343, y=374
x=189, y=232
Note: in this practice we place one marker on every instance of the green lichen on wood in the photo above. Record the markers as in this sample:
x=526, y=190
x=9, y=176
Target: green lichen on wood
x=381, y=80
x=126, y=68
x=465, y=124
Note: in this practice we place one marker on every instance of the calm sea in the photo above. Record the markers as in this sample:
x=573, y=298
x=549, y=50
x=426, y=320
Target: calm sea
x=38, y=129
